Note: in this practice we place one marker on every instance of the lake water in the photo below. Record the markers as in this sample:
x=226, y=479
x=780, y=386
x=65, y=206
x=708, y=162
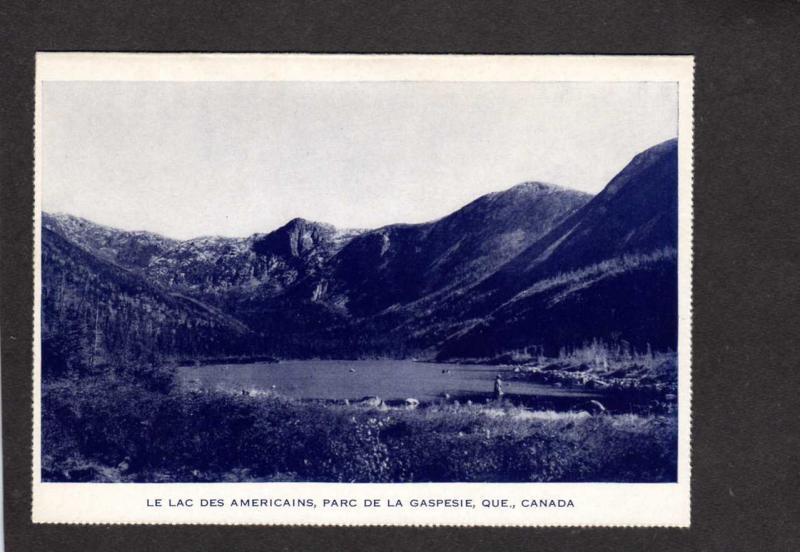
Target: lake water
x=388, y=379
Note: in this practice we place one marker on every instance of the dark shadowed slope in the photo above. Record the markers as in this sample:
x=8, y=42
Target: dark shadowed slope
x=636, y=212
x=631, y=299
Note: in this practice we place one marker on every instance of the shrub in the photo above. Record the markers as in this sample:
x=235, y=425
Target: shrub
x=106, y=429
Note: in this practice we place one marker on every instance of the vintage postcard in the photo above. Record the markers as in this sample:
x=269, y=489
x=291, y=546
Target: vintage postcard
x=363, y=289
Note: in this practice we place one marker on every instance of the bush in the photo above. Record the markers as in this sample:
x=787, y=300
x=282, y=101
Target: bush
x=105, y=429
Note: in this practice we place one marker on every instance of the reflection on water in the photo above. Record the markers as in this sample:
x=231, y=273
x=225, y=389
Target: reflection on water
x=345, y=379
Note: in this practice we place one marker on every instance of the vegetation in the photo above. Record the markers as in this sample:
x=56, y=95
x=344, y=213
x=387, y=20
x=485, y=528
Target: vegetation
x=617, y=367
x=612, y=366
x=111, y=428
x=508, y=279
x=98, y=317
x=567, y=282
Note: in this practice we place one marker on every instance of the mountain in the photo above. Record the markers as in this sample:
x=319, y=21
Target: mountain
x=351, y=304
x=608, y=271
x=636, y=212
x=535, y=267
x=399, y=264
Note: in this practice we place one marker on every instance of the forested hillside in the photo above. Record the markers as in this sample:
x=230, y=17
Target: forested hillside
x=98, y=317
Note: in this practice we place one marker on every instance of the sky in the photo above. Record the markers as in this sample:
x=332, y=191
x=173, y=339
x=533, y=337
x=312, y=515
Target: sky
x=236, y=158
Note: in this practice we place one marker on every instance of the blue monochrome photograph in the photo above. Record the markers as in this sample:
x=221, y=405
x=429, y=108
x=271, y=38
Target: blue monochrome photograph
x=359, y=282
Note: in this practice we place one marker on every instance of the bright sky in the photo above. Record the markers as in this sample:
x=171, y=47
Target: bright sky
x=234, y=158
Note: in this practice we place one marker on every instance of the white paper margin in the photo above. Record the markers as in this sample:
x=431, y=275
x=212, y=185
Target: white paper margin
x=596, y=504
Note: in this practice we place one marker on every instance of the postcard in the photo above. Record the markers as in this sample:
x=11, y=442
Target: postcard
x=290, y=289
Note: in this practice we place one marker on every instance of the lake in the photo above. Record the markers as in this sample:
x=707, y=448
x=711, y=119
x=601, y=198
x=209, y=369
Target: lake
x=355, y=379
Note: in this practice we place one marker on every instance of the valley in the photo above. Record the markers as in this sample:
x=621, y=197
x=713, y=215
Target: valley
x=314, y=353
x=535, y=266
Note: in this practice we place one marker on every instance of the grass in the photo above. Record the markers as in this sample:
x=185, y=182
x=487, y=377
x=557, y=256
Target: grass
x=105, y=429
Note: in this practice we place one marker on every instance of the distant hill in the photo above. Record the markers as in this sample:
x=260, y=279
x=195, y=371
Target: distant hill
x=128, y=249
x=536, y=266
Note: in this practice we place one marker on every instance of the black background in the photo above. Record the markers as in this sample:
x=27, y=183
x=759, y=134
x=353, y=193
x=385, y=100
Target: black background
x=745, y=438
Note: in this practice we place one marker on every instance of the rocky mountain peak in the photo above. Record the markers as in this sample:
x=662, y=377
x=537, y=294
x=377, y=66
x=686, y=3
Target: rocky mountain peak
x=536, y=187
x=297, y=238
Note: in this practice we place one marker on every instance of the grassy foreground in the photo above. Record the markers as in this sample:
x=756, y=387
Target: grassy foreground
x=106, y=429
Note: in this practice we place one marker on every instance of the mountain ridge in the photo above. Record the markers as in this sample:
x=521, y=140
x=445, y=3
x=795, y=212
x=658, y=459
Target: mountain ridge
x=535, y=265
